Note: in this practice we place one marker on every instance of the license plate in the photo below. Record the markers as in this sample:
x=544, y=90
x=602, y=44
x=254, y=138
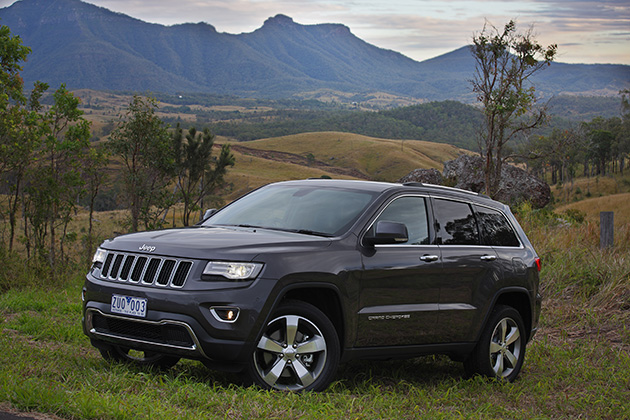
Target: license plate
x=127, y=305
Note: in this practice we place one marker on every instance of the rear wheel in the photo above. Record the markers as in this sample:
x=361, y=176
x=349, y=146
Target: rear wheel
x=298, y=350
x=501, y=349
x=138, y=357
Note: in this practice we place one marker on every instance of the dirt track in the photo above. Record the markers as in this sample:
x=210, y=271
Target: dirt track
x=297, y=160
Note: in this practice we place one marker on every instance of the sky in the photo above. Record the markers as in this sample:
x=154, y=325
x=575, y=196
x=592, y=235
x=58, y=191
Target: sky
x=586, y=31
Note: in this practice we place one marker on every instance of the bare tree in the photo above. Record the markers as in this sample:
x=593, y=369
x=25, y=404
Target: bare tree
x=505, y=60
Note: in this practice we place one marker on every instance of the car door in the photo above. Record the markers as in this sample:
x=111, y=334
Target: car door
x=470, y=270
x=399, y=287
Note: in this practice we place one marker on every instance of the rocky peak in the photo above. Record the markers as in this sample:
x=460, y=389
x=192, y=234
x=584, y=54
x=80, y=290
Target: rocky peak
x=279, y=21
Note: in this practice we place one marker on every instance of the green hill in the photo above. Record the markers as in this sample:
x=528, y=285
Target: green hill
x=333, y=154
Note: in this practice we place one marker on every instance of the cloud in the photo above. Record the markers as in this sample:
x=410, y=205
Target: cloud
x=585, y=31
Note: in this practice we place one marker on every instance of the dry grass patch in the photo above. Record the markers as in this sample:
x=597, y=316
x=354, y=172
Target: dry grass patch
x=618, y=203
x=379, y=159
x=593, y=187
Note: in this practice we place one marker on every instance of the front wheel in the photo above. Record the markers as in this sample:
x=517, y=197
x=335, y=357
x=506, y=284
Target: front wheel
x=501, y=349
x=297, y=351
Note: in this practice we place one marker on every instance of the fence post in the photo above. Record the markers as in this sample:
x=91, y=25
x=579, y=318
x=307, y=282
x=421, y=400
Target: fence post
x=607, y=228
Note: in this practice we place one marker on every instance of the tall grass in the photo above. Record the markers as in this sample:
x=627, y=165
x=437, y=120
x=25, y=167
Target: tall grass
x=572, y=259
x=578, y=365
x=586, y=289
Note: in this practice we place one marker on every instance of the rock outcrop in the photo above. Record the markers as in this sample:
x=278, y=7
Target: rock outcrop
x=466, y=172
x=426, y=176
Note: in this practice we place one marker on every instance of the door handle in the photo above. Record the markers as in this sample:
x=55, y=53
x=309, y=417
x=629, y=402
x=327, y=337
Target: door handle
x=429, y=258
x=488, y=257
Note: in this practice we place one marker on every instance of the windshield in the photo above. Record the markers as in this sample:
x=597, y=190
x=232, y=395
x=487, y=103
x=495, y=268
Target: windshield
x=303, y=209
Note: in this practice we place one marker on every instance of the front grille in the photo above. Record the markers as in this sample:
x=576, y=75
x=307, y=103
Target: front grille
x=148, y=271
x=157, y=333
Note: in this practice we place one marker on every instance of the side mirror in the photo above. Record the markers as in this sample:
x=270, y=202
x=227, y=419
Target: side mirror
x=209, y=213
x=388, y=233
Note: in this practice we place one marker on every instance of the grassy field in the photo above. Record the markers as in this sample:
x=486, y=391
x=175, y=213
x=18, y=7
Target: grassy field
x=578, y=365
x=593, y=187
x=328, y=154
x=333, y=154
x=591, y=207
x=380, y=159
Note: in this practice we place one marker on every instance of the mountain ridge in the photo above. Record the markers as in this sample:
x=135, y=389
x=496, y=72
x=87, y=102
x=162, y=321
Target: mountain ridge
x=87, y=46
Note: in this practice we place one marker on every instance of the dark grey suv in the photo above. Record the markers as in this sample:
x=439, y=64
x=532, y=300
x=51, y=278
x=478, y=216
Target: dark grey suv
x=295, y=277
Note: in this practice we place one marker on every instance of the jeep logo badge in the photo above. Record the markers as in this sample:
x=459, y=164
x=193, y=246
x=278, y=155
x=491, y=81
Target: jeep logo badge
x=147, y=248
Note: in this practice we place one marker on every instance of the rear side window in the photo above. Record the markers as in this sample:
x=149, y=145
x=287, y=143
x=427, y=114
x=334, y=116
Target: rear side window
x=496, y=230
x=455, y=223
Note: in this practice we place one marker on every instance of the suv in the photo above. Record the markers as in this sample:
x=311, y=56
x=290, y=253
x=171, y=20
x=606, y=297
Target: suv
x=295, y=277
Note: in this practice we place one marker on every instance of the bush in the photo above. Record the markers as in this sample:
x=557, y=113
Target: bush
x=575, y=216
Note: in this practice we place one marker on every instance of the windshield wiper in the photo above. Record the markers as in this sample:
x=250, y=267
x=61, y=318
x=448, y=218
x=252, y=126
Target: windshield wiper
x=229, y=226
x=304, y=232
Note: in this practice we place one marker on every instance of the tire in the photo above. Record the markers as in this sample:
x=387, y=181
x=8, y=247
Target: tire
x=138, y=357
x=501, y=348
x=298, y=350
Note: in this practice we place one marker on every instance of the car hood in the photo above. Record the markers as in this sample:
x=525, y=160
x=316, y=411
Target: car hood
x=214, y=242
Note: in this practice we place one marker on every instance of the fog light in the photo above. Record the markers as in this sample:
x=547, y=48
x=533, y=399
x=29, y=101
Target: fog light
x=225, y=314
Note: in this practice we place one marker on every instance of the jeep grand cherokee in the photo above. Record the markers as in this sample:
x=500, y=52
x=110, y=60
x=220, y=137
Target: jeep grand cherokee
x=296, y=277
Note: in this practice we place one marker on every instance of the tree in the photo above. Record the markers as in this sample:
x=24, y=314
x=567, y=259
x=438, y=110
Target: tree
x=624, y=135
x=17, y=125
x=54, y=179
x=505, y=60
x=198, y=173
x=94, y=175
x=143, y=143
x=20, y=140
x=12, y=54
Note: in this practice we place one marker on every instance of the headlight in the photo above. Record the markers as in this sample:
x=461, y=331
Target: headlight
x=233, y=270
x=99, y=256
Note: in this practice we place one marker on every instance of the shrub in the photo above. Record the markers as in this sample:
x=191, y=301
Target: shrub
x=575, y=216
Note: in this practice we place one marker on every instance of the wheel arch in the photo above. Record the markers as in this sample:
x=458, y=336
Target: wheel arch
x=324, y=297
x=518, y=299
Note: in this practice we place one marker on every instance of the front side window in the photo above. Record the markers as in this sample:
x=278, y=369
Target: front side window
x=455, y=223
x=410, y=211
x=497, y=231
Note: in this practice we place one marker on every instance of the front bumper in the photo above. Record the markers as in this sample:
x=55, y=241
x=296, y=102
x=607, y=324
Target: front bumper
x=178, y=322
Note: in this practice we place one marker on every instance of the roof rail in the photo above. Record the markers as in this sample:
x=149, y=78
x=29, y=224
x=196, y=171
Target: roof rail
x=443, y=187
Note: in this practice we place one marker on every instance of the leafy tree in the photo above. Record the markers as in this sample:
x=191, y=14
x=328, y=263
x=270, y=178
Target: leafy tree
x=560, y=152
x=624, y=135
x=20, y=141
x=43, y=154
x=505, y=60
x=198, y=173
x=12, y=54
x=94, y=176
x=54, y=180
x=601, y=134
x=141, y=140
x=16, y=136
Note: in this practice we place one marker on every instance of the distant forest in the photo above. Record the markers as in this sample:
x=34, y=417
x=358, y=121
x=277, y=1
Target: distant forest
x=449, y=122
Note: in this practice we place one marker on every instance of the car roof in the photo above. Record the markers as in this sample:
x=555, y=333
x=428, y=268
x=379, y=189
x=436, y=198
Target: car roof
x=374, y=186
x=378, y=186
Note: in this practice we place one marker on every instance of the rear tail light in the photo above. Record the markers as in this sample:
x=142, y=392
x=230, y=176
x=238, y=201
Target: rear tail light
x=538, y=264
